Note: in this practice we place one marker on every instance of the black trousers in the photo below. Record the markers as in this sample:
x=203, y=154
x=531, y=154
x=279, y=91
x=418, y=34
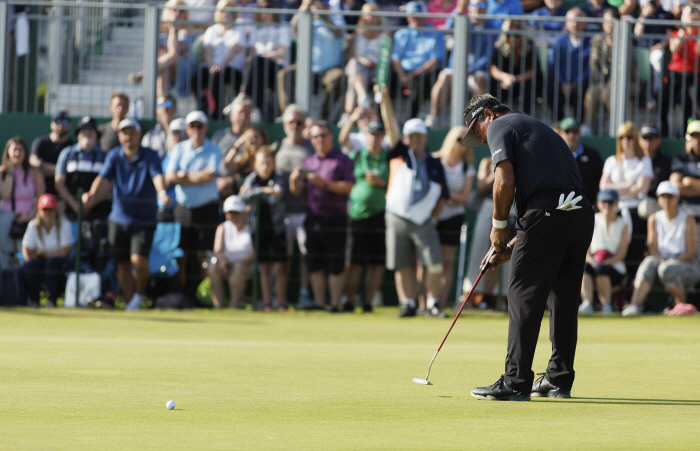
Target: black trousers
x=546, y=269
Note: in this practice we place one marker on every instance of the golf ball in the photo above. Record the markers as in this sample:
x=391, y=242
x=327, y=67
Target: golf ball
x=170, y=405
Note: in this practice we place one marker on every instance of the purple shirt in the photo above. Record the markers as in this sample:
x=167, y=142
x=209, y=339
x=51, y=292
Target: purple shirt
x=335, y=167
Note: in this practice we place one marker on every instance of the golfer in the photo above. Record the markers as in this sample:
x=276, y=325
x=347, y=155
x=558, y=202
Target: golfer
x=534, y=166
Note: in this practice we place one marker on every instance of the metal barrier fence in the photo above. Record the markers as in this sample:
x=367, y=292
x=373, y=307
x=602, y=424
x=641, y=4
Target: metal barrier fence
x=72, y=54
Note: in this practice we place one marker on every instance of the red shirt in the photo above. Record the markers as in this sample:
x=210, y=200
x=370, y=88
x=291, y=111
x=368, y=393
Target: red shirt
x=686, y=59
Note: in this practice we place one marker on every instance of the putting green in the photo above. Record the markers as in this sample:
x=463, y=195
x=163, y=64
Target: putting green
x=88, y=380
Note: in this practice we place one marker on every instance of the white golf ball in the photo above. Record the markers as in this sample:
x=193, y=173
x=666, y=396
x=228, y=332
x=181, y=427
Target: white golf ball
x=170, y=405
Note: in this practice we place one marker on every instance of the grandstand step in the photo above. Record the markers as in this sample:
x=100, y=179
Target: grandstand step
x=118, y=63
x=98, y=77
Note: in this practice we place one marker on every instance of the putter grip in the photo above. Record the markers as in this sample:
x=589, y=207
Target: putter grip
x=488, y=260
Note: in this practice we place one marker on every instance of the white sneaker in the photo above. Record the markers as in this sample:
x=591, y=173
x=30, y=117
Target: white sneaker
x=607, y=309
x=630, y=310
x=134, y=303
x=585, y=307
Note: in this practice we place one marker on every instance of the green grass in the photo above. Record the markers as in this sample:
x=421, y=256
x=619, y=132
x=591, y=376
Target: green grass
x=99, y=380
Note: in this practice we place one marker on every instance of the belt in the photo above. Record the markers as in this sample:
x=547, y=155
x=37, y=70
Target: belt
x=552, y=193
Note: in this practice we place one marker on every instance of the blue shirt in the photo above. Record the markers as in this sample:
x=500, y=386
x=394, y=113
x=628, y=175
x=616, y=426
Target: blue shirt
x=326, y=49
x=133, y=194
x=568, y=63
x=549, y=25
x=415, y=48
x=184, y=158
x=503, y=7
x=480, y=49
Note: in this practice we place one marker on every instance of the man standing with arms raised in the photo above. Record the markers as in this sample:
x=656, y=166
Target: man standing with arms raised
x=533, y=166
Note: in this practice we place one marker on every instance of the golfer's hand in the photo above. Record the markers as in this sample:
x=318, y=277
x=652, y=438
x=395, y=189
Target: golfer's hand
x=500, y=238
x=497, y=259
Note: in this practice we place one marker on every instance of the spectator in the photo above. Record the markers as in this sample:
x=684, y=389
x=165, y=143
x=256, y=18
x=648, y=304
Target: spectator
x=649, y=142
x=157, y=139
x=290, y=152
x=177, y=134
x=416, y=57
x=263, y=187
x=514, y=68
x=326, y=58
x=594, y=8
x=134, y=176
x=459, y=175
x=272, y=42
x=327, y=178
x=568, y=60
x=354, y=142
x=118, y=108
x=629, y=172
x=223, y=47
x=347, y=5
x=362, y=66
x=233, y=254
x=685, y=172
x=227, y=139
x=440, y=7
x=45, y=248
x=683, y=69
x=605, y=266
x=20, y=185
x=588, y=160
x=367, y=246
x=416, y=193
x=193, y=168
x=47, y=148
x=672, y=243
x=198, y=12
x=552, y=9
x=461, y=8
x=480, y=51
x=624, y=7
x=242, y=158
x=503, y=8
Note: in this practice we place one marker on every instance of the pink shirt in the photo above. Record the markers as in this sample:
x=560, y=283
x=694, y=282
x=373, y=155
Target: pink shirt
x=24, y=194
x=436, y=7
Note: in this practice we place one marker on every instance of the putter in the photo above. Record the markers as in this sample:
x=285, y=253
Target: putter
x=476, y=282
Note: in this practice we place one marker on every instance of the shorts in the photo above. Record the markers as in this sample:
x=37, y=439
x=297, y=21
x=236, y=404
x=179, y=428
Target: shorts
x=402, y=236
x=272, y=245
x=616, y=277
x=672, y=273
x=449, y=230
x=198, y=227
x=367, y=241
x=295, y=232
x=128, y=240
x=325, y=244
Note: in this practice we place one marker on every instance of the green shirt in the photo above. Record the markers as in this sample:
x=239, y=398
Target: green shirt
x=367, y=200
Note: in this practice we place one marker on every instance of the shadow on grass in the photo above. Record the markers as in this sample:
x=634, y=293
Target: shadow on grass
x=630, y=401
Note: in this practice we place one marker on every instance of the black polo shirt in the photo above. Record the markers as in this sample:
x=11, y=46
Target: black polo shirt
x=689, y=166
x=541, y=159
x=590, y=166
x=662, y=171
x=48, y=151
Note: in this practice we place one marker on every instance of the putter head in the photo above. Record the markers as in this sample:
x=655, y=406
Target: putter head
x=422, y=381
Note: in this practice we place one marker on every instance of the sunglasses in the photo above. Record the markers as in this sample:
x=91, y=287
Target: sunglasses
x=166, y=104
x=322, y=135
x=64, y=122
x=628, y=137
x=295, y=122
x=196, y=125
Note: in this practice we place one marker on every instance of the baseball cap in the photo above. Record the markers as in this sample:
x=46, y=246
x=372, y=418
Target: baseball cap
x=234, y=204
x=86, y=123
x=47, y=201
x=62, y=114
x=649, y=130
x=569, y=122
x=126, y=123
x=608, y=195
x=667, y=187
x=693, y=127
x=414, y=125
x=375, y=127
x=416, y=7
x=177, y=125
x=470, y=139
x=196, y=116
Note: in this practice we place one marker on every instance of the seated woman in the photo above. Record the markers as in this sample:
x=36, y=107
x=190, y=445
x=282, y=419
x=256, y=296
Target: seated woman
x=673, y=243
x=233, y=254
x=605, y=265
x=46, y=246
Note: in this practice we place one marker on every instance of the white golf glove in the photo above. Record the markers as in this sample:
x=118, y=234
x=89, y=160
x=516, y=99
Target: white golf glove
x=569, y=203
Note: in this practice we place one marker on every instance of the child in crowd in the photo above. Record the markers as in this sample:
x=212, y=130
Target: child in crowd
x=233, y=254
x=262, y=186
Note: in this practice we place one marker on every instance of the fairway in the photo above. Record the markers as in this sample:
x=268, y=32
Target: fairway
x=89, y=380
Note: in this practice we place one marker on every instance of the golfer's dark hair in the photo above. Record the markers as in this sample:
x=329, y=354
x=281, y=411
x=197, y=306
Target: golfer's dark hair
x=477, y=100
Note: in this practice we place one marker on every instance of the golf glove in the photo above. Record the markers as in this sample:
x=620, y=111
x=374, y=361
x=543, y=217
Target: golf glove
x=569, y=203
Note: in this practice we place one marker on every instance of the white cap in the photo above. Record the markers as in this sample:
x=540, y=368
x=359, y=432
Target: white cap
x=415, y=125
x=667, y=187
x=196, y=116
x=126, y=123
x=234, y=203
x=178, y=124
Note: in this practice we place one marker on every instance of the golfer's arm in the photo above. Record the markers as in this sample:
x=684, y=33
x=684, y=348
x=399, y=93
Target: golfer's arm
x=503, y=190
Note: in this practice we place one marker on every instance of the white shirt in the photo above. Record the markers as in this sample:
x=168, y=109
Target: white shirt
x=630, y=171
x=238, y=244
x=670, y=234
x=369, y=48
x=455, y=178
x=50, y=241
x=269, y=37
x=195, y=15
x=221, y=40
x=608, y=239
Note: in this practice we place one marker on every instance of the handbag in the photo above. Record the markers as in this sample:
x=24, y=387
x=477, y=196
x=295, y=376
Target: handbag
x=90, y=287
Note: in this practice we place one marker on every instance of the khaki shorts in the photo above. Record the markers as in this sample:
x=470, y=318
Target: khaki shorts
x=404, y=237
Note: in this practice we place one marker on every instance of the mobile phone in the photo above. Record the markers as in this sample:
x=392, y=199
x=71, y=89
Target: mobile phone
x=304, y=172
